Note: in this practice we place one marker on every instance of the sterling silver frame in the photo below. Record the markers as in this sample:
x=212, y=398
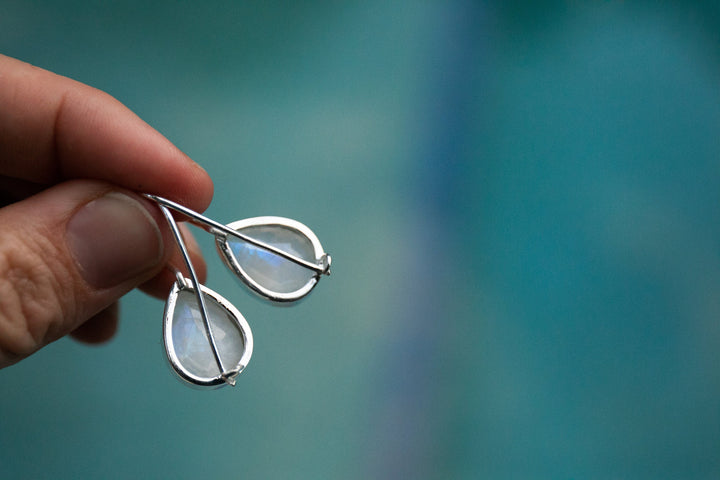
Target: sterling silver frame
x=321, y=258
x=224, y=377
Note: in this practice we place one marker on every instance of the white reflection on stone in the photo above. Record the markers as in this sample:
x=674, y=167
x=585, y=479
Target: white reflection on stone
x=191, y=345
x=269, y=270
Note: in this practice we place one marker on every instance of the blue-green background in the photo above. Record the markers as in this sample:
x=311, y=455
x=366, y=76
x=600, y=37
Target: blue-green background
x=522, y=202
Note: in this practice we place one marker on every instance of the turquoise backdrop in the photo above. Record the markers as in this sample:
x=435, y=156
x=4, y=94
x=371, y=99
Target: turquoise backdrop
x=522, y=202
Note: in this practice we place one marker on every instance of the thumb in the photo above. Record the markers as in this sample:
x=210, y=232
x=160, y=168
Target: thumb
x=68, y=253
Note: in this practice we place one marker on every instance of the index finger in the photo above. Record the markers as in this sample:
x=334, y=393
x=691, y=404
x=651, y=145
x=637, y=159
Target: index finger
x=54, y=129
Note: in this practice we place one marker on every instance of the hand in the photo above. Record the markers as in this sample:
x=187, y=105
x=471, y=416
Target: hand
x=75, y=235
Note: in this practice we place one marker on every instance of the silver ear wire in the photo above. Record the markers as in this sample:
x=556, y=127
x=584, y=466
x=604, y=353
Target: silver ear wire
x=215, y=228
x=195, y=285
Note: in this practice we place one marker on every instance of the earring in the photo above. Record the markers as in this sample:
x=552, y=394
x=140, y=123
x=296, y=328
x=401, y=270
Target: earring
x=207, y=340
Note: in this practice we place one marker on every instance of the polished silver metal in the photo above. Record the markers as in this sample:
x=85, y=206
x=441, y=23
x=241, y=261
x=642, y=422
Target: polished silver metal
x=211, y=226
x=195, y=285
x=322, y=259
x=227, y=373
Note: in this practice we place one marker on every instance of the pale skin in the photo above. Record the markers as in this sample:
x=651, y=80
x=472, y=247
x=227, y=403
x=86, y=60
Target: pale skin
x=64, y=145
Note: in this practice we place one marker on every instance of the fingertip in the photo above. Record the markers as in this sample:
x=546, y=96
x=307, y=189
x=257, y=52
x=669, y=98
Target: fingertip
x=54, y=129
x=199, y=196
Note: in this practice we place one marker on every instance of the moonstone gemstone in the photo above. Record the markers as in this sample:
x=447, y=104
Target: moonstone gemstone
x=191, y=345
x=272, y=271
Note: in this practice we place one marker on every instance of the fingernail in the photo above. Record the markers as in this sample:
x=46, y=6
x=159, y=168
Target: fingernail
x=113, y=239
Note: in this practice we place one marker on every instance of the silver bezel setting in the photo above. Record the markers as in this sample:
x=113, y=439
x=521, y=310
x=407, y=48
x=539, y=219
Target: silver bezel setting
x=320, y=266
x=321, y=258
x=223, y=378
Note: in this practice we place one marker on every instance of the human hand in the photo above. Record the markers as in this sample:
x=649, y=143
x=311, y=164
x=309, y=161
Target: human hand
x=75, y=235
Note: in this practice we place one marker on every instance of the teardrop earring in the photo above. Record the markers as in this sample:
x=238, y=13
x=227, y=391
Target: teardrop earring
x=207, y=340
x=271, y=276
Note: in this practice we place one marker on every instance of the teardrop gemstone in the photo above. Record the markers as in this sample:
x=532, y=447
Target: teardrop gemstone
x=189, y=348
x=267, y=273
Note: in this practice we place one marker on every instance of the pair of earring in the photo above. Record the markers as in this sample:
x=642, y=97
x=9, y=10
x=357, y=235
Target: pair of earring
x=207, y=340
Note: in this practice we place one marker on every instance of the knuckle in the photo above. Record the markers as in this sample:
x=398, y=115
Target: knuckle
x=34, y=299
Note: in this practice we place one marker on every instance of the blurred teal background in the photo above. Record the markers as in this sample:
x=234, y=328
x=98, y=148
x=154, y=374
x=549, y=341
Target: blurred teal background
x=521, y=200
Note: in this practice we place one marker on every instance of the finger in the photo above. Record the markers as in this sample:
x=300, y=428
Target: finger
x=99, y=328
x=159, y=286
x=86, y=245
x=53, y=129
